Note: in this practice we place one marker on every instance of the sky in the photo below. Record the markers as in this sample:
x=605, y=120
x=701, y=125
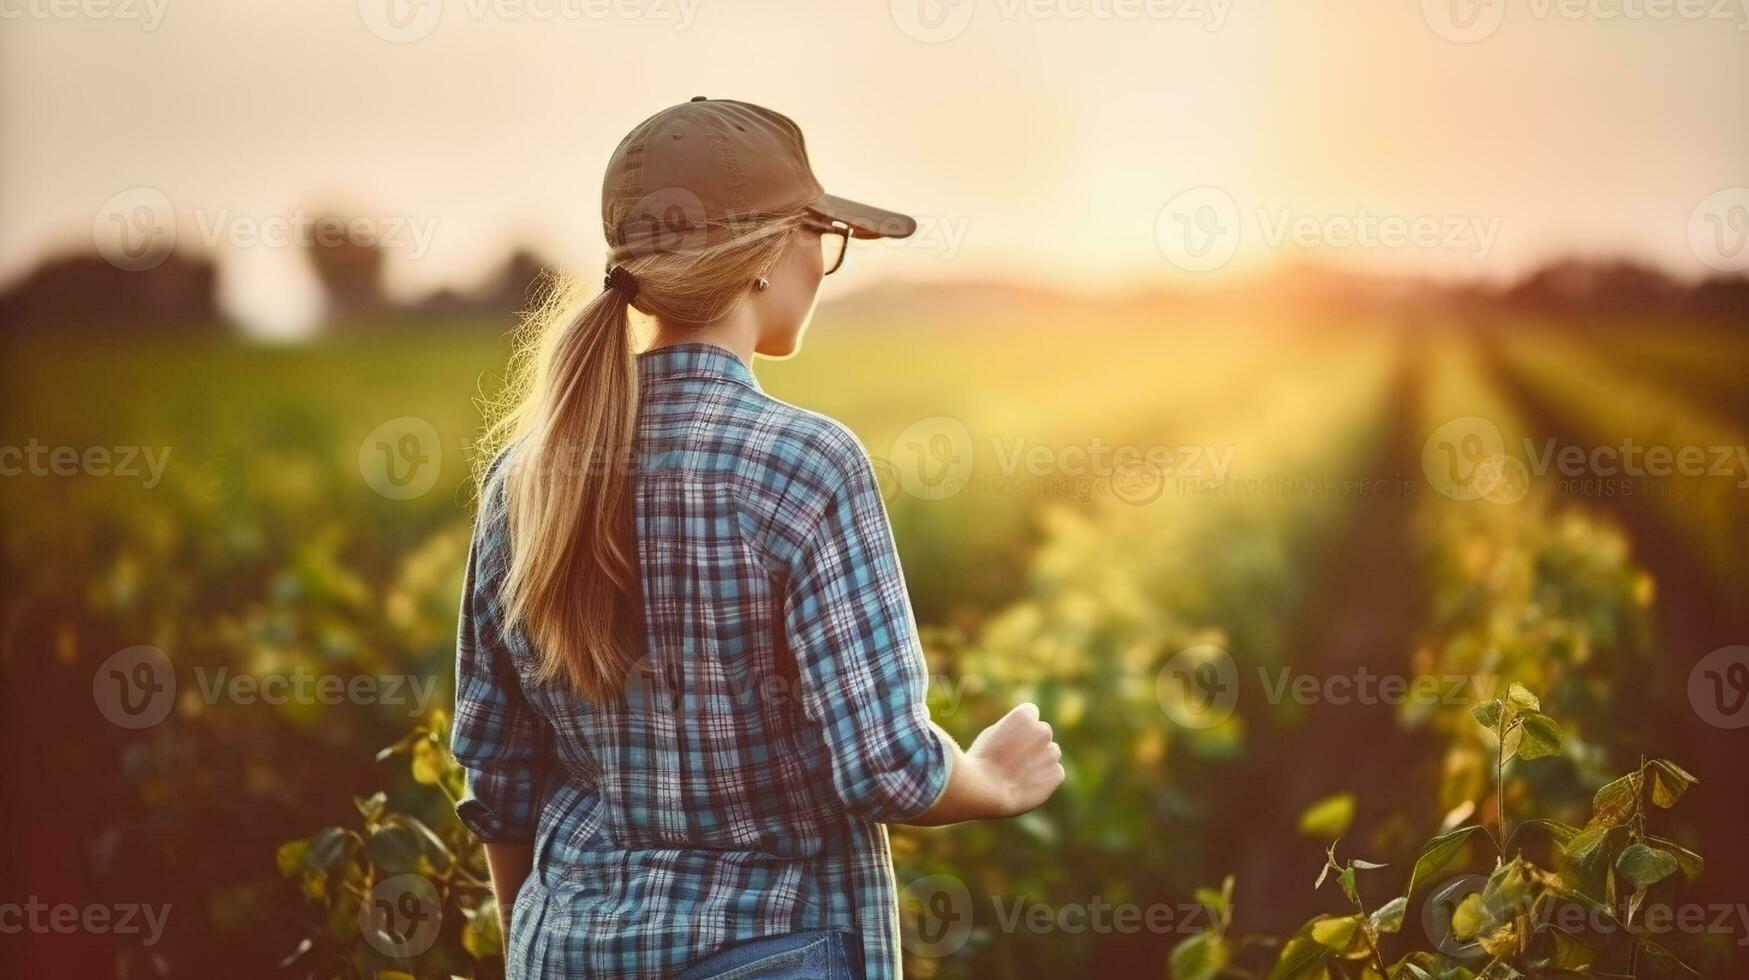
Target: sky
x=1086, y=144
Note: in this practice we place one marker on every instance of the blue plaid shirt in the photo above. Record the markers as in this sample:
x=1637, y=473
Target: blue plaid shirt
x=741, y=785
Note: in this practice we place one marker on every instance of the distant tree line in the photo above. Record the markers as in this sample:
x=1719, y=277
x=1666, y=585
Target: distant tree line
x=83, y=292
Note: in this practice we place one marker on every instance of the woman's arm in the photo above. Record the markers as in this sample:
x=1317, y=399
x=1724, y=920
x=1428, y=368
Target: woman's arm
x=1012, y=767
x=510, y=864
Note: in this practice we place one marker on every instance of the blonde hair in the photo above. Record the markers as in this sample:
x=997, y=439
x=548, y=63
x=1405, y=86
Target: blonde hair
x=566, y=423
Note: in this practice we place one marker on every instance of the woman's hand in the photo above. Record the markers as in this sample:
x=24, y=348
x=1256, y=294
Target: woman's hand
x=1018, y=760
x=1012, y=767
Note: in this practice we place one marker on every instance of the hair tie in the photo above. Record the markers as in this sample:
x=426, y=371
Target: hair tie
x=621, y=281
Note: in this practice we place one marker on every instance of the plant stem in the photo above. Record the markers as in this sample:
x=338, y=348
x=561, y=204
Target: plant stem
x=1500, y=782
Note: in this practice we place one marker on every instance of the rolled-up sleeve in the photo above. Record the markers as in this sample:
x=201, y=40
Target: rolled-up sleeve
x=859, y=662
x=497, y=736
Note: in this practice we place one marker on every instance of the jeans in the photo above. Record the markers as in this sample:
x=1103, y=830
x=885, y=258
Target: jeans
x=793, y=956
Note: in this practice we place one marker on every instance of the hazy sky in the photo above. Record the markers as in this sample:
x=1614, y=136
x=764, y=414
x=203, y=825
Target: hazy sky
x=1095, y=143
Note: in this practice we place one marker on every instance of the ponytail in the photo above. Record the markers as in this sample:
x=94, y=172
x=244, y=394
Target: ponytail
x=566, y=423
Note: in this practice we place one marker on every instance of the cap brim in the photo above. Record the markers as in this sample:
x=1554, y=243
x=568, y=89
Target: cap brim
x=865, y=221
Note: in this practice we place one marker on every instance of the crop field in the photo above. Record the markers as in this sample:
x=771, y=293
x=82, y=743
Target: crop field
x=1257, y=573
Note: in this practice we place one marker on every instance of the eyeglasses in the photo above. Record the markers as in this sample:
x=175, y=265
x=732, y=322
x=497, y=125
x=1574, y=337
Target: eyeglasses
x=834, y=242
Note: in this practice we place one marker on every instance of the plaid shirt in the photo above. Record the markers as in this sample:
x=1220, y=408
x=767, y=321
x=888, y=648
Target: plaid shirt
x=741, y=785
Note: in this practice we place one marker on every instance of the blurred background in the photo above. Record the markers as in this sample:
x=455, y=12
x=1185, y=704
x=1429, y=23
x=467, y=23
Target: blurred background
x=1266, y=387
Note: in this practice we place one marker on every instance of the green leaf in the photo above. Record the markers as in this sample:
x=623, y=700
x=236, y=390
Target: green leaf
x=1388, y=917
x=1520, y=697
x=481, y=936
x=1488, y=713
x=1541, y=736
x=429, y=763
x=327, y=847
x=1302, y=957
x=1691, y=863
x=1563, y=834
x=394, y=849
x=291, y=857
x=1470, y=917
x=1659, y=964
x=1201, y=957
x=1438, y=853
x=371, y=809
x=1346, y=880
x=1589, y=857
x=431, y=845
x=1336, y=934
x=1645, y=866
x=1328, y=818
x=1616, y=802
x=1669, y=782
x=1554, y=949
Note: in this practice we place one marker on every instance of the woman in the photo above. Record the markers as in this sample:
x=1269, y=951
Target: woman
x=689, y=690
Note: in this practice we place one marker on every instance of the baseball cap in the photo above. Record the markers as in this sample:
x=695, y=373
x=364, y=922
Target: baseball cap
x=693, y=171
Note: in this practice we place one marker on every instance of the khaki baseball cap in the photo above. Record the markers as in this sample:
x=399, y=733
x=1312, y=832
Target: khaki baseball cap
x=695, y=170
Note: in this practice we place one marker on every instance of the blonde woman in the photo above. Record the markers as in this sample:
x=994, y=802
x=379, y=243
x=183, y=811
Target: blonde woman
x=689, y=688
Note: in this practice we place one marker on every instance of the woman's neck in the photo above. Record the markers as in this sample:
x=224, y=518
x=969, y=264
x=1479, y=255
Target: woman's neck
x=737, y=333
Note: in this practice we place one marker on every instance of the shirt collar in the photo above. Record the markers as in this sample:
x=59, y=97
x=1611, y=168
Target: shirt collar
x=694, y=360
